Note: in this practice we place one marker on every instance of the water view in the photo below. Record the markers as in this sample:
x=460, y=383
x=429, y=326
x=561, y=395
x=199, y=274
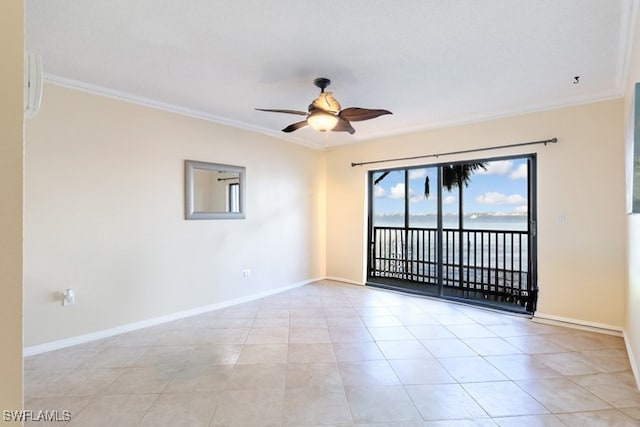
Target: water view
x=483, y=221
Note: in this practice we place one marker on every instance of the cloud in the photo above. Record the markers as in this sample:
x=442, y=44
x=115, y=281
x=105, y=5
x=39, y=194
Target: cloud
x=504, y=167
x=417, y=173
x=397, y=191
x=378, y=191
x=495, y=198
x=449, y=200
x=521, y=209
x=414, y=197
x=498, y=167
x=519, y=173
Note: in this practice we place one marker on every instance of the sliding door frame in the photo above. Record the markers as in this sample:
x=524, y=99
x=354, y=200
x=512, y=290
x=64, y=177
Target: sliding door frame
x=532, y=286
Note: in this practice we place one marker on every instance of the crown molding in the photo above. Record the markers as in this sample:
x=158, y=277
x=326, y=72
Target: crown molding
x=171, y=108
x=150, y=103
x=628, y=19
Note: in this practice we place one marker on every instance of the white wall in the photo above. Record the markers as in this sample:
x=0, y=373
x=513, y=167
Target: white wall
x=104, y=212
x=11, y=170
x=632, y=320
x=581, y=262
x=104, y=215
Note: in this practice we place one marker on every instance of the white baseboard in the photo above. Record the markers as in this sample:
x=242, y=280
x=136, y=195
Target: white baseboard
x=94, y=336
x=632, y=360
x=340, y=279
x=584, y=325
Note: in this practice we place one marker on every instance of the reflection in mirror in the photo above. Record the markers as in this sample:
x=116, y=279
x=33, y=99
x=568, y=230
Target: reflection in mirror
x=214, y=191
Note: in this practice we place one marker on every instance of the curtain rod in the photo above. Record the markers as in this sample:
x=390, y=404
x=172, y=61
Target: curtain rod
x=473, y=150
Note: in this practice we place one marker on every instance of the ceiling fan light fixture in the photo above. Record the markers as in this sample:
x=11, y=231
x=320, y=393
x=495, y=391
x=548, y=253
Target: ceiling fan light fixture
x=322, y=121
x=325, y=113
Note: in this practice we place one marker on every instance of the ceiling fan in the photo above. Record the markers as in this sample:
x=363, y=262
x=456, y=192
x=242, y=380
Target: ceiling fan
x=325, y=113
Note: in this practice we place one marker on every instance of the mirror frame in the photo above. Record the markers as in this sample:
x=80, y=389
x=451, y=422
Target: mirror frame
x=190, y=212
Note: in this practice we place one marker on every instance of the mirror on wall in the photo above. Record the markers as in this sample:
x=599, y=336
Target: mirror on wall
x=214, y=191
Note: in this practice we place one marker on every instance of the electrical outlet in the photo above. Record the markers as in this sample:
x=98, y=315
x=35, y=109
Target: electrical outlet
x=246, y=272
x=68, y=297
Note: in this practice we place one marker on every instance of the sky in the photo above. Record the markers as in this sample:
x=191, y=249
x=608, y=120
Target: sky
x=501, y=188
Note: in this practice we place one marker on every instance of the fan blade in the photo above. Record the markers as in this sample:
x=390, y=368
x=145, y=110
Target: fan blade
x=344, y=126
x=276, y=110
x=295, y=126
x=355, y=114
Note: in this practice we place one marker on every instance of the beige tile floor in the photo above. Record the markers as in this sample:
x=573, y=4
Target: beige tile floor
x=341, y=355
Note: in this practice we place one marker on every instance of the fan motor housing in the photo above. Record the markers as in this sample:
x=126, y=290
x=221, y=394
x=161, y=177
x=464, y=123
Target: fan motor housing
x=322, y=83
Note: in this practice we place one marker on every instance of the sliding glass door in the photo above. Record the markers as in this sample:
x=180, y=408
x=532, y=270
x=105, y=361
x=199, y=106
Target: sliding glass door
x=461, y=230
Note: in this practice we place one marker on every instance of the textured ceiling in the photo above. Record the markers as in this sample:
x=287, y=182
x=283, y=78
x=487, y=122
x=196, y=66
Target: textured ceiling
x=433, y=63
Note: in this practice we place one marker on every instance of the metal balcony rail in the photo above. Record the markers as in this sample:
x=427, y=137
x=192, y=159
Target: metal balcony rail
x=491, y=264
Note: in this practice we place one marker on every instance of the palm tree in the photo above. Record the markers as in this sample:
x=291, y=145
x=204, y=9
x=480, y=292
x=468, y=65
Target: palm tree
x=455, y=175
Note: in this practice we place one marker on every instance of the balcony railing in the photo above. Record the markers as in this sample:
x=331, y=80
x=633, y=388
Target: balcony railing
x=486, y=264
